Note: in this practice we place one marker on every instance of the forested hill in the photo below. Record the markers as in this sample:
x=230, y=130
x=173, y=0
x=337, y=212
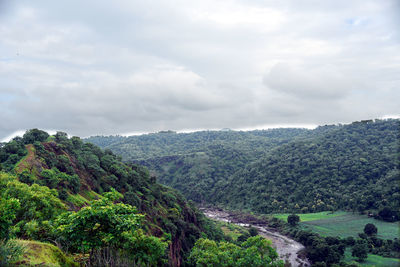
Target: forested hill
x=352, y=167
x=50, y=185
x=167, y=143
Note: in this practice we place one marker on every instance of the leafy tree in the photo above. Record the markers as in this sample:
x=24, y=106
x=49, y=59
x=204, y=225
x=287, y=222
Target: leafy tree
x=105, y=224
x=253, y=231
x=370, y=229
x=256, y=251
x=33, y=135
x=293, y=219
x=360, y=250
x=8, y=208
x=387, y=214
x=36, y=203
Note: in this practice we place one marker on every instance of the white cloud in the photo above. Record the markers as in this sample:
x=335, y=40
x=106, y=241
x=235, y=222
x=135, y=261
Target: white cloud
x=94, y=67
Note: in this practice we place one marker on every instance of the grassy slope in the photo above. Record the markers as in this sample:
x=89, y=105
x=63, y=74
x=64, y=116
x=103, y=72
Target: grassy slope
x=26, y=163
x=343, y=224
x=43, y=254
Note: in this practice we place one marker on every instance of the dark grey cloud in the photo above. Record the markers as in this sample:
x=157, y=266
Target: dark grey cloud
x=95, y=67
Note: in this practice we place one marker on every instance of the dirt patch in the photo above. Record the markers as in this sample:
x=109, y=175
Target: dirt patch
x=29, y=162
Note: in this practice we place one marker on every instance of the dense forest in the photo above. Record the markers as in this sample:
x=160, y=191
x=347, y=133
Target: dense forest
x=99, y=211
x=351, y=167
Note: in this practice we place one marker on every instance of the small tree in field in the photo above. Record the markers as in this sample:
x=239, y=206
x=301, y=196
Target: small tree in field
x=370, y=229
x=293, y=219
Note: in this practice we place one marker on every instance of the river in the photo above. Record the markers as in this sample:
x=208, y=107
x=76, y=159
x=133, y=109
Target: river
x=287, y=248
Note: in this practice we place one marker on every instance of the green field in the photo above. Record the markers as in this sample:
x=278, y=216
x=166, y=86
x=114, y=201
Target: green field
x=344, y=224
x=350, y=225
x=373, y=260
x=312, y=216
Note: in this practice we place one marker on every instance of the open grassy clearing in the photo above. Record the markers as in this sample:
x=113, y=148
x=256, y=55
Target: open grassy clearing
x=350, y=225
x=343, y=224
x=373, y=260
x=312, y=216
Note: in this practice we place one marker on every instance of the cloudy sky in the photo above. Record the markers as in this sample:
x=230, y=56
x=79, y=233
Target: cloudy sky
x=116, y=67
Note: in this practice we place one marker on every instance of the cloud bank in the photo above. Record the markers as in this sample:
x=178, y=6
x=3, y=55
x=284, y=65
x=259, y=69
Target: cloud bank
x=97, y=67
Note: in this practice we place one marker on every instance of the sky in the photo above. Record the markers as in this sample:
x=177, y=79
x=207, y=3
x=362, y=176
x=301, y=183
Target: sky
x=98, y=67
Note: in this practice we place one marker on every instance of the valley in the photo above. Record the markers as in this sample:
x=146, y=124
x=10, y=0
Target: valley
x=332, y=177
x=324, y=197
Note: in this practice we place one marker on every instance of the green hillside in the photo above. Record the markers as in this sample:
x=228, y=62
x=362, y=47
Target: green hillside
x=348, y=167
x=351, y=167
x=45, y=176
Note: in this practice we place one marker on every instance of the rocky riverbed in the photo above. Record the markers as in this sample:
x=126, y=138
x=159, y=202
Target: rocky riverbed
x=287, y=248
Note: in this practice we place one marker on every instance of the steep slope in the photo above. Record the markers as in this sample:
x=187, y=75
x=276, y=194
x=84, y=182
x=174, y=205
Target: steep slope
x=79, y=172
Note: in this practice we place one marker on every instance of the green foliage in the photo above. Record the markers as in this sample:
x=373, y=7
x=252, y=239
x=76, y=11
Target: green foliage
x=348, y=167
x=43, y=254
x=11, y=153
x=253, y=231
x=74, y=168
x=360, y=250
x=322, y=250
x=37, y=204
x=388, y=214
x=9, y=209
x=293, y=219
x=105, y=224
x=34, y=135
x=324, y=172
x=370, y=229
x=10, y=252
x=256, y=251
x=99, y=225
x=53, y=178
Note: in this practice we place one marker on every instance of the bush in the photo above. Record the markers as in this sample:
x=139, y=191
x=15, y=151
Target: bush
x=293, y=219
x=370, y=229
x=360, y=250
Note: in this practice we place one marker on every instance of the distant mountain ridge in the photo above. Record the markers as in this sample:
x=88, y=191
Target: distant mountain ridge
x=352, y=167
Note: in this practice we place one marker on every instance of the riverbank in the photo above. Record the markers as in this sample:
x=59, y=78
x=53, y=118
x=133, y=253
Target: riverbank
x=288, y=249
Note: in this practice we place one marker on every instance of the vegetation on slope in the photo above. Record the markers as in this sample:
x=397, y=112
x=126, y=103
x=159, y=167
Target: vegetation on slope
x=197, y=164
x=351, y=167
x=167, y=143
x=347, y=167
x=48, y=175
x=43, y=254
